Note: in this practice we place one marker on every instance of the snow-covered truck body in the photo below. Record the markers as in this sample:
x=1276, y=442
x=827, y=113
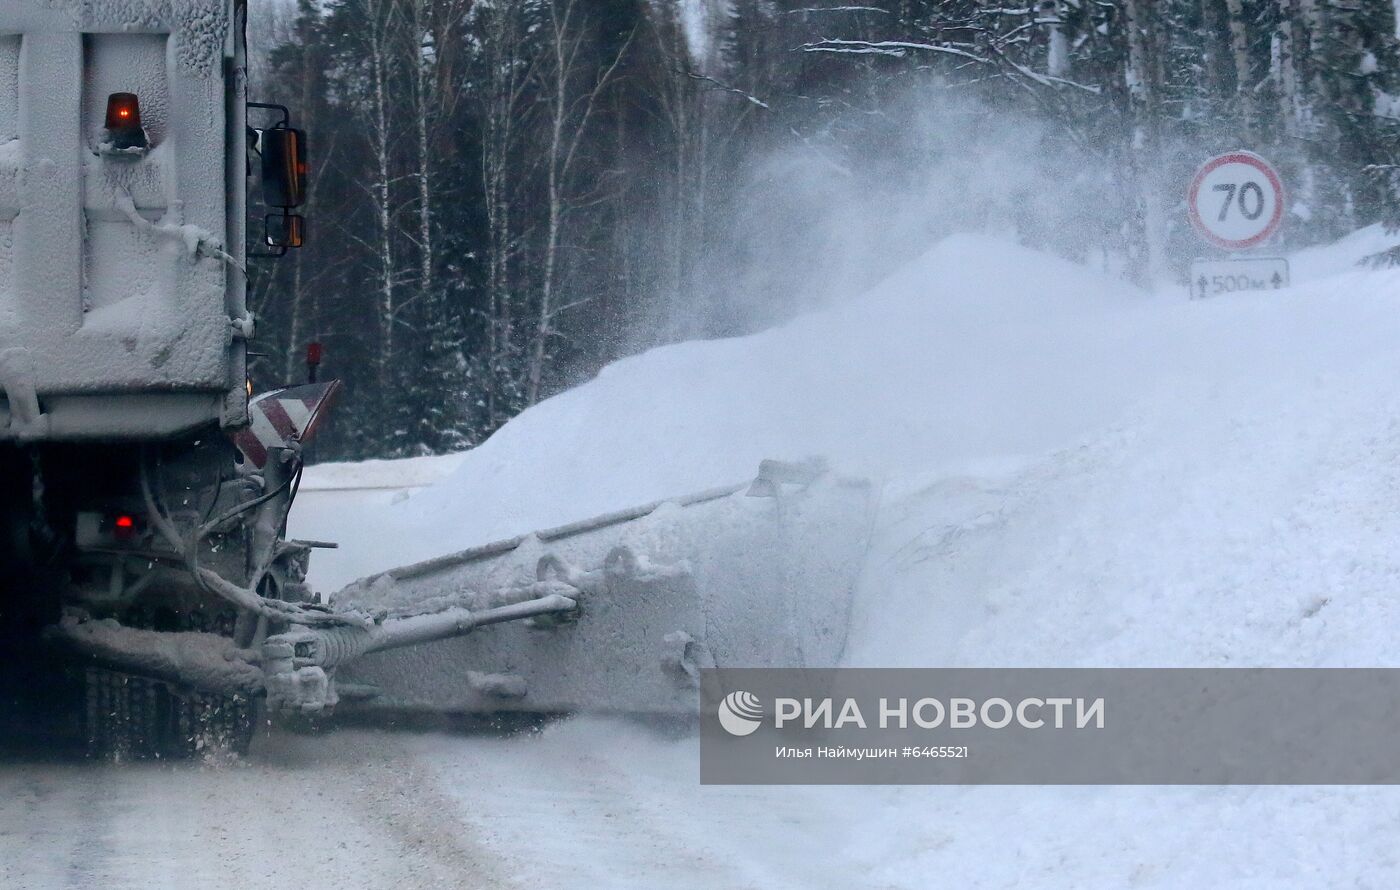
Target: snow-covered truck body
x=145, y=495
x=123, y=181
x=122, y=310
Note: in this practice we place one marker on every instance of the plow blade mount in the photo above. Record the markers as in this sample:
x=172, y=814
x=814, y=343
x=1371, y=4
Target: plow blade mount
x=758, y=575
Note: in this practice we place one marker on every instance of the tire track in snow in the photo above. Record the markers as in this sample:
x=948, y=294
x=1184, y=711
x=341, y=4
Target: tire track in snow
x=340, y=810
x=604, y=803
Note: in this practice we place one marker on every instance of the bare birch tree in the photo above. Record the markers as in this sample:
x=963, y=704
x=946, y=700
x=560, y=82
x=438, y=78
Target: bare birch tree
x=571, y=93
x=506, y=75
x=677, y=100
x=381, y=19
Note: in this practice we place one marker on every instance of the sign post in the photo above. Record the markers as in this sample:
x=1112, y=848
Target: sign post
x=1236, y=202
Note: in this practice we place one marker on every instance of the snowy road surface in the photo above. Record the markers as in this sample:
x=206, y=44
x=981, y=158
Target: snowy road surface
x=356, y=809
x=346, y=810
x=590, y=804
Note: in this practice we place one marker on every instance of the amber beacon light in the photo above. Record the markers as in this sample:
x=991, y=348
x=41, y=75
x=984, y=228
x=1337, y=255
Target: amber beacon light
x=126, y=138
x=123, y=111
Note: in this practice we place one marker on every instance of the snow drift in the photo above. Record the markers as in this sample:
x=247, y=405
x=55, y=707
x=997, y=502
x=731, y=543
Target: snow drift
x=964, y=354
x=1049, y=440
x=1074, y=473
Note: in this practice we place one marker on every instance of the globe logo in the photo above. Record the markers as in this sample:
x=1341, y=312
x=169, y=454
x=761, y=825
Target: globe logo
x=740, y=713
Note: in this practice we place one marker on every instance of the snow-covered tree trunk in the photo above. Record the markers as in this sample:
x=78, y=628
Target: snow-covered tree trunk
x=1296, y=39
x=1309, y=59
x=1284, y=65
x=678, y=100
x=504, y=84
x=378, y=37
x=1217, y=45
x=432, y=43
x=1244, y=78
x=1051, y=16
x=564, y=46
x=424, y=105
x=1142, y=76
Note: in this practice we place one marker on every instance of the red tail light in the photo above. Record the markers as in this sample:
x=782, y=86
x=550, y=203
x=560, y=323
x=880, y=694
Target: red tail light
x=123, y=111
x=124, y=527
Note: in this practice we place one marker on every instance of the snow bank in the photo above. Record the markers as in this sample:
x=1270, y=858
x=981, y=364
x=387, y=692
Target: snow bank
x=336, y=499
x=1074, y=473
x=978, y=354
x=1342, y=258
x=403, y=474
x=1238, y=510
x=977, y=350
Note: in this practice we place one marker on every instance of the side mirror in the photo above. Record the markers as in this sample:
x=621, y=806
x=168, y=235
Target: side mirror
x=283, y=167
x=284, y=230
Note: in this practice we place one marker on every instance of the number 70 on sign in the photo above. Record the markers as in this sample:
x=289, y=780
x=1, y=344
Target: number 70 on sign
x=1236, y=201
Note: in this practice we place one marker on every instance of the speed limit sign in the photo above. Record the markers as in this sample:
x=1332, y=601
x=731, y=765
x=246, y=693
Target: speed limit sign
x=1236, y=200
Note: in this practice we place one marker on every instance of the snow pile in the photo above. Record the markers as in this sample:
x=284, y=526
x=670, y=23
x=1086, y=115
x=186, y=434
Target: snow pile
x=336, y=499
x=1074, y=473
x=407, y=473
x=975, y=350
x=1181, y=482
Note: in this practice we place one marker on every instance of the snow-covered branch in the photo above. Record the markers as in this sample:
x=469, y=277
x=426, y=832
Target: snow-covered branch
x=896, y=48
x=726, y=88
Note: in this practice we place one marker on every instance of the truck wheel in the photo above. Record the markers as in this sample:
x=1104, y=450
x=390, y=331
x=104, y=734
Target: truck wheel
x=133, y=718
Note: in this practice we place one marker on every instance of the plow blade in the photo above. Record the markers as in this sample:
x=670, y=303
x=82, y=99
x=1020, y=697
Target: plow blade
x=760, y=575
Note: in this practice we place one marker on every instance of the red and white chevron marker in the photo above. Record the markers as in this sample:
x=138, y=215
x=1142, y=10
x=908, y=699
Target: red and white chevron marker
x=281, y=417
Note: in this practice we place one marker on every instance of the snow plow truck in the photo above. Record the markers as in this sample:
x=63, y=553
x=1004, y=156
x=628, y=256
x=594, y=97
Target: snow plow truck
x=153, y=606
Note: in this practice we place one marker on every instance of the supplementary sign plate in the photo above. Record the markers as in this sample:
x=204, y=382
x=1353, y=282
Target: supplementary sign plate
x=1213, y=278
